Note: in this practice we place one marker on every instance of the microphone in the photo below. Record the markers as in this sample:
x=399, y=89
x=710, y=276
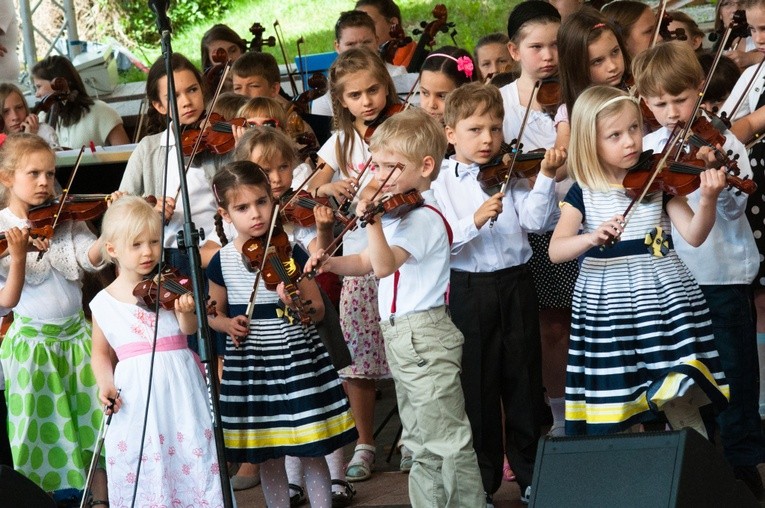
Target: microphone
x=160, y=9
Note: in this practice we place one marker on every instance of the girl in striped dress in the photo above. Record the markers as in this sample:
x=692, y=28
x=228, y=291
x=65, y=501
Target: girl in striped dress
x=280, y=394
x=641, y=338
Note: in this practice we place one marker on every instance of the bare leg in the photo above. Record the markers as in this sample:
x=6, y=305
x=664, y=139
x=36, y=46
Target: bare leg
x=361, y=395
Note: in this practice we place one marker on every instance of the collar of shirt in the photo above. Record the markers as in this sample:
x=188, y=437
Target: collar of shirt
x=462, y=170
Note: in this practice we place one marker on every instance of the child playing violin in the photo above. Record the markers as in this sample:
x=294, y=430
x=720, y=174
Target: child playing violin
x=410, y=254
x=655, y=360
x=49, y=340
x=267, y=353
x=501, y=364
x=79, y=120
x=18, y=118
x=124, y=329
x=670, y=78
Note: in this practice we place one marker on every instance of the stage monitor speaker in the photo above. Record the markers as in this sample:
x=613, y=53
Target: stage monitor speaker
x=18, y=491
x=653, y=469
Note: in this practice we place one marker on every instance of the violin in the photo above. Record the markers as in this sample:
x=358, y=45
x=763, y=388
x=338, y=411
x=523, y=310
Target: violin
x=428, y=36
x=398, y=39
x=678, y=34
x=317, y=87
x=396, y=205
x=214, y=73
x=60, y=94
x=492, y=174
x=384, y=115
x=217, y=137
x=76, y=207
x=679, y=178
x=257, y=42
x=165, y=288
x=297, y=208
x=739, y=31
x=549, y=95
x=44, y=232
x=276, y=265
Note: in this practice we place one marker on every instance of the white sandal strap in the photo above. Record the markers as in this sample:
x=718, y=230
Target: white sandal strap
x=365, y=448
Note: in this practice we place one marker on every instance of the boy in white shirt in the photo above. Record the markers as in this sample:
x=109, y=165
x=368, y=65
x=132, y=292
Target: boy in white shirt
x=492, y=297
x=669, y=78
x=410, y=254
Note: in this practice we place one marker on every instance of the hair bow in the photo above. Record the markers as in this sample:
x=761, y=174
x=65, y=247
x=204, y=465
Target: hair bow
x=465, y=64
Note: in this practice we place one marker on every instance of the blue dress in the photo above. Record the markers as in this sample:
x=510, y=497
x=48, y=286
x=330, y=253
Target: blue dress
x=640, y=329
x=280, y=394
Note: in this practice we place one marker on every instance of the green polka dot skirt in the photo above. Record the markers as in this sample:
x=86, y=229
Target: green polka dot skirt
x=53, y=409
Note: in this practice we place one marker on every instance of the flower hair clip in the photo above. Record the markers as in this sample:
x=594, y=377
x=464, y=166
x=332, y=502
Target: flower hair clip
x=464, y=63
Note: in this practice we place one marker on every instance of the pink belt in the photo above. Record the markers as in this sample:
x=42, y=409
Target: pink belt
x=171, y=343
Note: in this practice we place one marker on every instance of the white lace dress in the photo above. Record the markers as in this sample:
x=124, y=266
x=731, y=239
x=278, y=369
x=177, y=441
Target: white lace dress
x=179, y=467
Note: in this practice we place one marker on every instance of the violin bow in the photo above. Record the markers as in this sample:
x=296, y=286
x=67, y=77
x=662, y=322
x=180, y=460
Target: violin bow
x=304, y=76
x=659, y=18
x=253, y=295
x=518, y=144
x=284, y=56
x=339, y=239
x=65, y=194
x=205, y=122
x=743, y=95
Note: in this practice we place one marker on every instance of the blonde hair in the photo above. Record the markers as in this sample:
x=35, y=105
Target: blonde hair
x=13, y=151
x=267, y=107
x=350, y=62
x=413, y=134
x=229, y=104
x=595, y=103
x=125, y=220
x=473, y=99
x=670, y=68
x=272, y=141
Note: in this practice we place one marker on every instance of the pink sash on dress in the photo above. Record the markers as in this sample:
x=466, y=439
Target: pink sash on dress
x=170, y=343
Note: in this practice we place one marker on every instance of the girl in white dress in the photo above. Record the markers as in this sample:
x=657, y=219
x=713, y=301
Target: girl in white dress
x=179, y=467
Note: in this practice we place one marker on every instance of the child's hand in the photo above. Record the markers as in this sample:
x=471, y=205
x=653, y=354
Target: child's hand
x=169, y=207
x=490, y=209
x=110, y=398
x=707, y=154
x=114, y=196
x=185, y=304
x=554, y=158
x=238, y=327
x=339, y=190
x=320, y=257
x=38, y=244
x=607, y=231
x=712, y=183
x=284, y=296
x=17, y=242
x=324, y=216
x=238, y=131
x=363, y=206
x=31, y=124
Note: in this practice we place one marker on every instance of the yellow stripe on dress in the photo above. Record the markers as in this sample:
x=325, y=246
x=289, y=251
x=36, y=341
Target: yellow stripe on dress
x=605, y=413
x=289, y=436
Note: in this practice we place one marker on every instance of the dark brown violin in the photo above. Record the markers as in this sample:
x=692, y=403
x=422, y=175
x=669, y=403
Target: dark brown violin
x=215, y=72
x=398, y=39
x=384, y=115
x=396, y=205
x=257, y=42
x=276, y=265
x=428, y=36
x=76, y=207
x=678, y=34
x=549, y=95
x=318, y=86
x=60, y=94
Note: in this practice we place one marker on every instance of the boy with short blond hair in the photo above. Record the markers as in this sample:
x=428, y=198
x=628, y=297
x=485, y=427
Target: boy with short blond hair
x=669, y=78
x=410, y=254
x=492, y=294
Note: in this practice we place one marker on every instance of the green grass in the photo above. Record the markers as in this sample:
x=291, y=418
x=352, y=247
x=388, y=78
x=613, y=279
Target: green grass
x=314, y=20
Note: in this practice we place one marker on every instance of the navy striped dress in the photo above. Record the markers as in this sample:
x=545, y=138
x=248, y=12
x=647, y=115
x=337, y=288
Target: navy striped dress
x=640, y=328
x=280, y=394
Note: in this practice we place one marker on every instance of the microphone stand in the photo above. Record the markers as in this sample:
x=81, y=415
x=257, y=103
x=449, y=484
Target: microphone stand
x=188, y=239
